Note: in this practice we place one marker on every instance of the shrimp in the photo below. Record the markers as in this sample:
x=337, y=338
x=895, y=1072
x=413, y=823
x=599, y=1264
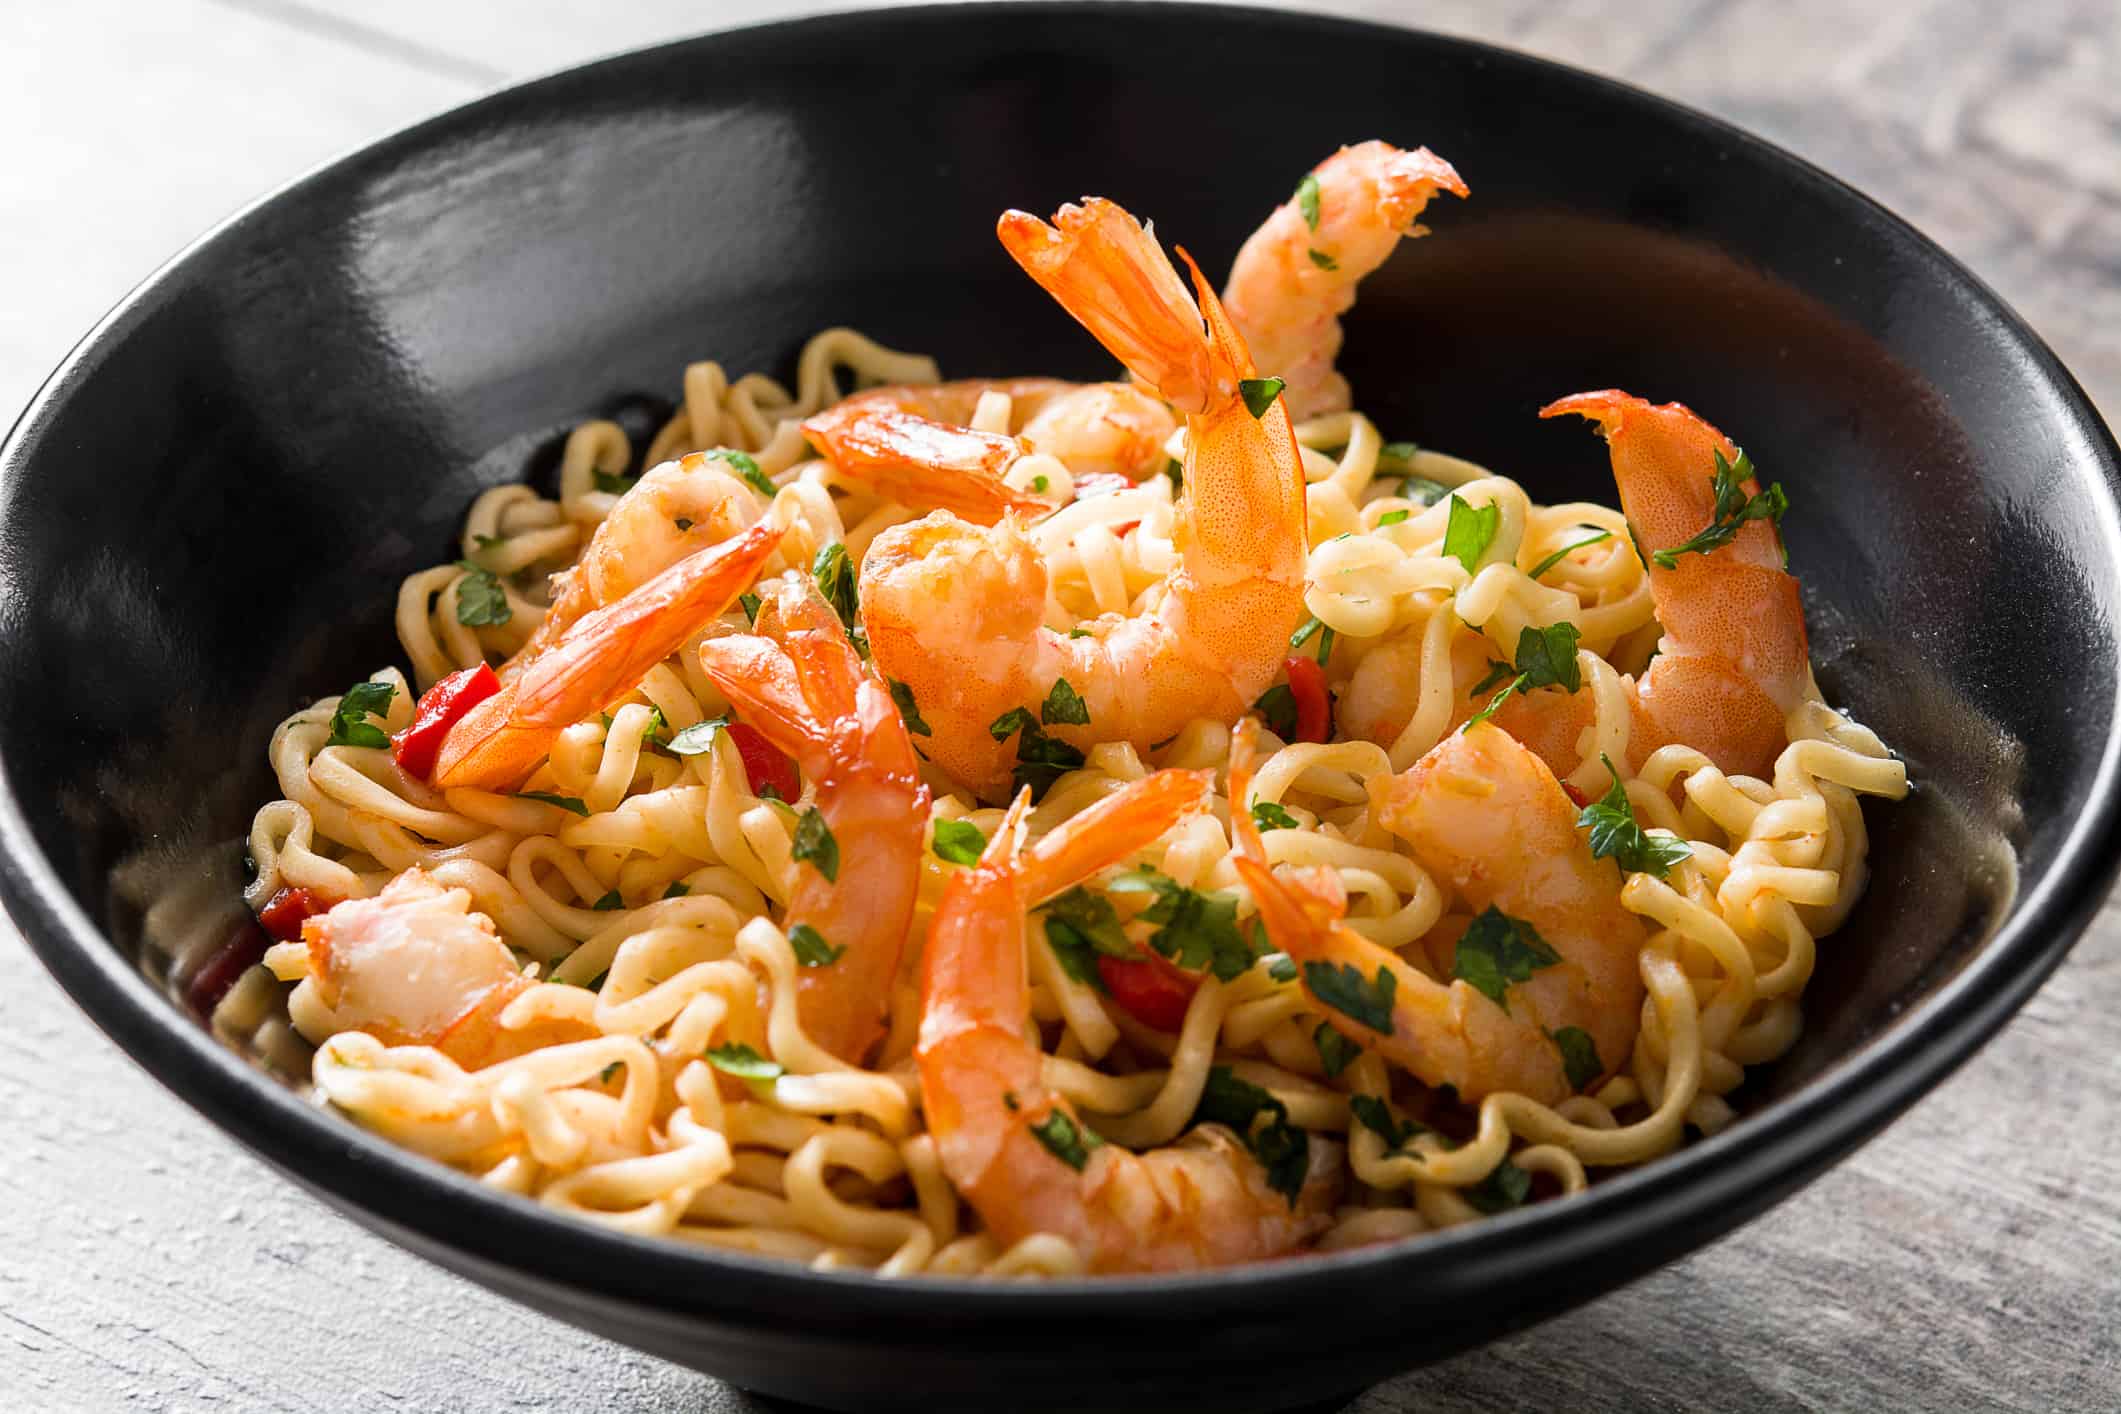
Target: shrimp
x=915, y=444
x=1734, y=661
x=955, y=611
x=1015, y=1148
x=1296, y=275
x=799, y=680
x=1488, y=819
x=675, y=509
x=417, y=965
x=599, y=660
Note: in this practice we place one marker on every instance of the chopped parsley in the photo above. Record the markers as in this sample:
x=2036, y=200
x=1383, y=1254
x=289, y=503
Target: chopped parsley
x=1579, y=1055
x=1565, y=551
x=609, y=902
x=1269, y=815
x=1196, y=929
x=1314, y=625
x=697, y=738
x=480, y=598
x=1175, y=473
x=1392, y=518
x=1259, y=394
x=617, y=485
x=678, y=889
x=1079, y=926
x=1420, y=488
x=1506, y=1188
x=1282, y=1148
x=1546, y=657
x=1281, y=967
x=1398, y=452
x=1347, y=991
x=1307, y=199
x=811, y=949
x=908, y=708
x=834, y=572
x=1078, y=632
x=1733, y=509
x=565, y=802
x=959, y=841
x=349, y=720
x=1616, y=836
x=1498, y=951
x=814, y=842
x=1066, y=1140
x=609, y=1071
x=746, y=466
x=751, y=607
x=1064, y=706
x=1375, y=1115
x=1335, y=1051
x=1040, y=482
x=1470, y=531
x=742, y=1061
x=1040, y=760
x=1321, y=259
x=1277, y=708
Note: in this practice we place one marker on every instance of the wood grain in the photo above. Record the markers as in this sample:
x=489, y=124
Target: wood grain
x=1968, y=1259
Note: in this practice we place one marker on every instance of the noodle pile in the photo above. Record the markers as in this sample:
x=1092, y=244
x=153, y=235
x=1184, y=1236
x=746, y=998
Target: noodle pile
x=649, y=919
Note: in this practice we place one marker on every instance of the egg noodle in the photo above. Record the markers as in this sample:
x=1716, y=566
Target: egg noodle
x=649, y=921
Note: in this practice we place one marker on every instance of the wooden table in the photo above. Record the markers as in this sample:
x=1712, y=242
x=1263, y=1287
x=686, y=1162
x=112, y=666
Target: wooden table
x=1969, y=1258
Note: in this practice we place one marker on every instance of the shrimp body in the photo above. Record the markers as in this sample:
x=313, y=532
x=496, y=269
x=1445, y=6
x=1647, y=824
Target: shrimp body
x=599, y=660
x=799, y=681
x=1292, y=280
x=417, y=965
x=1488, y=819
x=1202, y=1202
x=955, y=610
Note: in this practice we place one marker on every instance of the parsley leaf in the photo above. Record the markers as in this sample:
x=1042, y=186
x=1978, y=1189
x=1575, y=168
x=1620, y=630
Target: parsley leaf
x=1064, y=706
x=1321, y=259
x=1400, y=453
x=1565, y=551
x=834, y=573
x=1259, y=394
x=1175, y=473
x=1092, y=918
x=1269, y=815
x=1282, y=967
x=1072, y=950
x=814, y=842
x=1616, y=836
x=742, y=1061
x=1546, y=657
x=617, y=485
x=1506, y=1188
x=1066, y=1140
x=349, y=720
x=746, y=466
x=1335, y=1051
x=1277, y=708
x=1374, y=1114
x=609, y=903
x=1579, y=1055
x=1040, y=759
x=1196, y=929
x=1498, y=951
x=1497, y=672
x=1392, y=518
x=1420, y=488
x=811, y=949
x=1354, y=996
x=1733, y=509
x=959, y=841
x=697, y=738
x=565, y=802
x=1282, y=1148
x=1470, y=531
x=908, y=708
x=751, y=608
x=1307, y=199
x=1041, y=483
x=1314, y=625
x=480, y=599
x=1012, y=720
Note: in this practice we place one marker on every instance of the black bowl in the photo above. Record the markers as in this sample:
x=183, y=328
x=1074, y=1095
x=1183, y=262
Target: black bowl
x=208, y=507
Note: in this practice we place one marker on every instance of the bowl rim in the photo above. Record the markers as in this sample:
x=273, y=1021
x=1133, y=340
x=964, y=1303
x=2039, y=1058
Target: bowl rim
x=427, y=1204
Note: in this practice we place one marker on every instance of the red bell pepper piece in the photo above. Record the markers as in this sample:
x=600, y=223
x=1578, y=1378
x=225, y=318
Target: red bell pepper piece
x=1151, y=990
x=438, y=710
x=1314, y=709
x=764, y=765
x=1574, y=794
x=283, y=913
x=245, y=946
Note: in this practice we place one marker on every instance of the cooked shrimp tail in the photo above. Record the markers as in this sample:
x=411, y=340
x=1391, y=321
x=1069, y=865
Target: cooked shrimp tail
x=599, y=660
x=919, y=462
x=801, y=683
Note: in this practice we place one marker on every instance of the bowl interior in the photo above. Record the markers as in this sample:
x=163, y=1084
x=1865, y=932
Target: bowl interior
x=206, y=517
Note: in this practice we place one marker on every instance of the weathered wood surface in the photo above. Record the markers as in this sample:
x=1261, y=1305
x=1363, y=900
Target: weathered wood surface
x=1970, y=1258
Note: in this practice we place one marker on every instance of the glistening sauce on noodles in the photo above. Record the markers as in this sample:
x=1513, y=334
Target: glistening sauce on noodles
x=1026, y=828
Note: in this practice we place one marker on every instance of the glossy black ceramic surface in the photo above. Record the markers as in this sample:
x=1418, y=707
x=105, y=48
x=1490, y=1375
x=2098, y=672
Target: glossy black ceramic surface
x=206, y=512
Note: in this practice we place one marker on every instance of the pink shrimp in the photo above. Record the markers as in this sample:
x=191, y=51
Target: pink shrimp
x=954, y=611
x=1488, y=819
x=1296, y=275
x=497, y=744
x=1014, y=1148
x=799, y=681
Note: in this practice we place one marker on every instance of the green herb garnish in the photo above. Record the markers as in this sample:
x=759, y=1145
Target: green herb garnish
x=908, y=708
x=480, y=598
x=811, y=949
x=1546, y=657
x=1259, y=394
x=1064, y=706
x=1498, y=951
x=697, y=738
x=814, y=842
x=1375, y=1115
x=746, y=466
x=1392, y=518
x=1322, y=260
x=743, y=1062
x=349, y=720
x=1506, y=1188
x=1470, y=531
x=1262, y=1121
x=1277, y=708
x=1347, y=991
x=1335, y=1051
x=565, y=802
x=959, y=841
x=1197, y=930
x=1615, y=835
x=1314, y=625
x=1307, y=199
x=834, y=572
x=1579, y=1055
x=1733, y=509
x=1565, y=551
x=1065, y=1140
x=1268, y=815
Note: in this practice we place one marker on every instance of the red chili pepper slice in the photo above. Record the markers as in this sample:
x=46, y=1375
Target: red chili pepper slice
x=438, y=710
x=283, y=913
x=1152, y=991
x=246, y=945
x=1314, y=708
x=764, y=765
x=1574, y=794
